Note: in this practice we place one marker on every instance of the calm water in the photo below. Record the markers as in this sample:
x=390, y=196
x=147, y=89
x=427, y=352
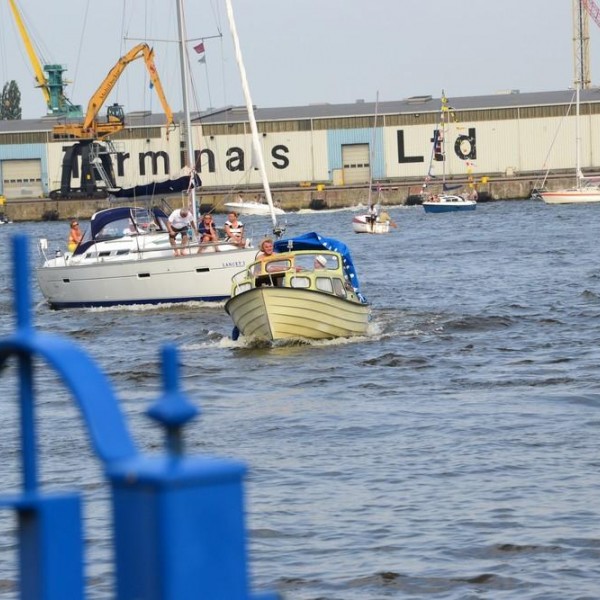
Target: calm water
x=453, y=453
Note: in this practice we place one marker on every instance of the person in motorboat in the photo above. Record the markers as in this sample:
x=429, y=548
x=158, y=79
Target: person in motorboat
x=320, y=262
x=266, y=249
x=75, y=236
x=178, y=223
x=207, y=226
x=234, y=229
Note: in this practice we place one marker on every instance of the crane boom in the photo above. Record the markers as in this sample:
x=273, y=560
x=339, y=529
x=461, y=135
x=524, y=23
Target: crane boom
x=53, y=85
x=593, y=10
x=40, y=78
x=90, y=127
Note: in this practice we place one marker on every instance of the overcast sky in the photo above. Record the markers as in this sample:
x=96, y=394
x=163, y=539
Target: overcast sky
x=300, y=52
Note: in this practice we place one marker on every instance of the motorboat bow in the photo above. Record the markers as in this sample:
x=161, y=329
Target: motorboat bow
x=307, y=289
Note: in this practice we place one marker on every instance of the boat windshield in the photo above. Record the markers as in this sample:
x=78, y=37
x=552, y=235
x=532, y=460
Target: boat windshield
x=311, y=262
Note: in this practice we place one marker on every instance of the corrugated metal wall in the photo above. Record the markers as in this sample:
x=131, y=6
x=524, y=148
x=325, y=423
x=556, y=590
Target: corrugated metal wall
x=296, y=157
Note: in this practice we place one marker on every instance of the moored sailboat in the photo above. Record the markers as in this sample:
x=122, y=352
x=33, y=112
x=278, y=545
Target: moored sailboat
x=445, y=201
x=586, y=189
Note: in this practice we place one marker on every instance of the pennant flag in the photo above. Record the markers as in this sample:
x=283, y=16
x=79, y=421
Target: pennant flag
x=199, y=49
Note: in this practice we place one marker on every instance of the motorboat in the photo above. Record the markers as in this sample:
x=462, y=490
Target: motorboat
x=448, y=203
x=125, y=258
x=307, y=289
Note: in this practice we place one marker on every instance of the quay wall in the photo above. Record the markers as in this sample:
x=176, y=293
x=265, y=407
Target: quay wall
x=290, y=199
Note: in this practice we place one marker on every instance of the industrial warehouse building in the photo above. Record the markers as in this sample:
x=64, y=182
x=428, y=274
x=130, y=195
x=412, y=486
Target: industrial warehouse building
x=500, y=135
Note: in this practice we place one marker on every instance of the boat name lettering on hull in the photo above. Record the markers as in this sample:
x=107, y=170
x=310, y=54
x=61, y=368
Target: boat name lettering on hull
x=234, y=263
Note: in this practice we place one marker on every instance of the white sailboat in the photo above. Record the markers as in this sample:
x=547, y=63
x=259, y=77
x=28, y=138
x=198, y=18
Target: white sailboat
x=371, y=222
x=125, y=256
x=586, y=189
x=308, y=288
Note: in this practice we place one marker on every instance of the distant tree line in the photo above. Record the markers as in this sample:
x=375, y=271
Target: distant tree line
x=10, y=102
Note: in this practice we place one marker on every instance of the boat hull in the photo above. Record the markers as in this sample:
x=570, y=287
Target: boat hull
x=253, y=208
x=573, y=196
x=163, y=279
x=360, y=224
x=272, y=313
x=449, y=204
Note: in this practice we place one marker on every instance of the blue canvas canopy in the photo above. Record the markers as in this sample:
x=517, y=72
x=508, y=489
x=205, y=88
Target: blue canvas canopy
x=314, y=241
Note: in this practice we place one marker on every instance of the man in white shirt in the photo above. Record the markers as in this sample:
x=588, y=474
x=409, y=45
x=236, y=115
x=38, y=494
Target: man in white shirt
x=179, y=221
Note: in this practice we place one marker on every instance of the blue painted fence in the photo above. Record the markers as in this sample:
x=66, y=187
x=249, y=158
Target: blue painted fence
x=179, y=530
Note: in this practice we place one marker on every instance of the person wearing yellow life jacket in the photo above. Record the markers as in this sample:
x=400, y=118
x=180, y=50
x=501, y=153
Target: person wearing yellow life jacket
x=75, y=236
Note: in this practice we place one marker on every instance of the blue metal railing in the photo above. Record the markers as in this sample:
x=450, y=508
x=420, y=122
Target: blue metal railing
x=178, y=520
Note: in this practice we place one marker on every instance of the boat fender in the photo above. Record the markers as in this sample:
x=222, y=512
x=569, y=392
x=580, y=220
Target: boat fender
x=235, y=334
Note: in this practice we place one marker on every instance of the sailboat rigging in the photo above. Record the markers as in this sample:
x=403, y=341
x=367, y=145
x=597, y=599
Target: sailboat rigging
x=185, y=78
x=374, y=221
x=586, y=189
x=444, y=202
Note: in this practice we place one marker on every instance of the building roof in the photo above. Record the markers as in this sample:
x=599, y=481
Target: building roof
x=421, y=104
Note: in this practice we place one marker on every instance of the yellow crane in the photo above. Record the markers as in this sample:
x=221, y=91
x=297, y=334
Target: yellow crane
x=93, y=129
x=52, y=86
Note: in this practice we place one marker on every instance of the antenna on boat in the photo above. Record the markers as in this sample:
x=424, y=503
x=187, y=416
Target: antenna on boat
x=258, y=153
x=185, y=77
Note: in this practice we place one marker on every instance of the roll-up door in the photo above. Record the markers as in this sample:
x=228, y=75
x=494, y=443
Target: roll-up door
x=22, y=179
x=355, y=158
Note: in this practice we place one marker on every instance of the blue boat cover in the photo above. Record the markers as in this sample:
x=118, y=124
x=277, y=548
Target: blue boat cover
x=314, y=241
x=157, y=188
x=109, y=215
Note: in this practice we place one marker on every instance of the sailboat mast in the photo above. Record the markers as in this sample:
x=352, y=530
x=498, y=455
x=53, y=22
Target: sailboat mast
x=185, y=79
x=443, y=140
x=372, y=156
x=250, y=108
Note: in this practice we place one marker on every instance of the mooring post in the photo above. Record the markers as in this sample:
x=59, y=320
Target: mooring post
x=179, y=524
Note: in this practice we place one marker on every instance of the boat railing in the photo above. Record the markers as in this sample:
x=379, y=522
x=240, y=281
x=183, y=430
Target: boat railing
x=178, y=522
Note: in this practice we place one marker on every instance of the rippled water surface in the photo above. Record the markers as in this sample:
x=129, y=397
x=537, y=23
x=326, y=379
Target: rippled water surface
x=453, y=453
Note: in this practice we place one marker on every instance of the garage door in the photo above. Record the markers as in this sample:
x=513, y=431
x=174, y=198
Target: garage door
x=355, y=158
x=22, y=179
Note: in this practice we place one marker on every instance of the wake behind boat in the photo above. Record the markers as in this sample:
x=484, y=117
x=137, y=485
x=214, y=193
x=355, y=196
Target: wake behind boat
x=307, y=289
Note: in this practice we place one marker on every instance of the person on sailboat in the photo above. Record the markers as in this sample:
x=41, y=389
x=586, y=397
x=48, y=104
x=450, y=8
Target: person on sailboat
x=234, y=229
x=179, y=221
x=372, y=216
x=207, y=226
x=75, y=236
